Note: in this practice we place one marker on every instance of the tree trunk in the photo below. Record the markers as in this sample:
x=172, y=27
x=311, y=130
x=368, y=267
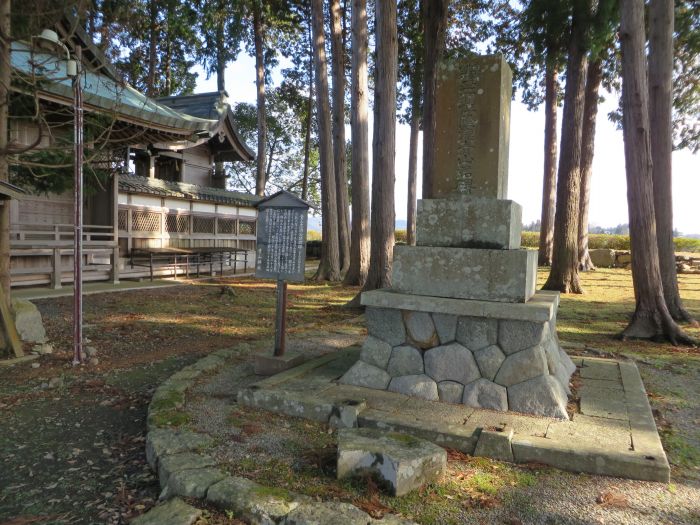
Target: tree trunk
x=329, y=267
x=660, y=109
x=341, y=179
x=590, y=114
x=307, y=137
x=219, y=172
x=651, y=318
x=563, y=276
x=359, y=245
x=152, y=49
x=549, y=187
x=383, y=147
x=434, y=22
x=413, y=172
x=5, y=78
x=260, y=86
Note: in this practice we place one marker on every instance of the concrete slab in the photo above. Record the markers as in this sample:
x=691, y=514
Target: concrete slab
x=267, y=365
x=614, y=433
x=465, y=273
x=540, y=308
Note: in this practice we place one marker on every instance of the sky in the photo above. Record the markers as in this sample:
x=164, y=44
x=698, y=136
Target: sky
x=608, y=205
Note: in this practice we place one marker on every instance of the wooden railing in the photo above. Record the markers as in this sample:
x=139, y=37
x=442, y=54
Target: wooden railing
x=50, y=235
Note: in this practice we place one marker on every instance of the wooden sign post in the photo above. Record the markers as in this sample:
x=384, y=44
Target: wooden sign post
x=280, y=255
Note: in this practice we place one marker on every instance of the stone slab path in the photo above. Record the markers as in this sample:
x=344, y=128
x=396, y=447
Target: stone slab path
x=613, y=433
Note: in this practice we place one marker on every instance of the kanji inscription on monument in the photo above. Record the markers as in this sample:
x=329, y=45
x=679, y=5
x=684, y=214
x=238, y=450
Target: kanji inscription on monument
x=281, y=239
x=473, y=125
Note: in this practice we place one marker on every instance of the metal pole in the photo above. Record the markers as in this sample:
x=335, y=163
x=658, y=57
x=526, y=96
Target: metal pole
x=281, y=328
x=78, y=209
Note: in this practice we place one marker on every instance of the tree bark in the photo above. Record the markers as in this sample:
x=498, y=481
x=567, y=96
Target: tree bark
x=549, y=186
x=219, y=172
x=434, y=22
x=661, y=22
x=152, y=50
x=651, y=318
x=563, y=276
x=307, y=137
x=383, y=147
x=360, y=240
x=411, y=210
x=5, y=78
x=329, y=267
x=341, y=179
x=260, y=86
x=590, y=114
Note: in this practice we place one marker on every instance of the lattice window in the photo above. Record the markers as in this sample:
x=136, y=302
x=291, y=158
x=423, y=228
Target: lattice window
x=246, y=228
x=202, y=224
x=227, y=226
x=175, y=223
x=145, y=221
x=123, y=219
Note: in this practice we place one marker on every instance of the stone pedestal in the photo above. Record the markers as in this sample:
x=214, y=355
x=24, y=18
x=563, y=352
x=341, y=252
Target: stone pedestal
x=462, y=322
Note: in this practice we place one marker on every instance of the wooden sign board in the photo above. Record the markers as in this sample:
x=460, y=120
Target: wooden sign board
x=281, y=237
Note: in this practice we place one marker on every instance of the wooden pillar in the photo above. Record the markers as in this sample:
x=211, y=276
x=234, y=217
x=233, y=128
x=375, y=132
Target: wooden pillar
x=56, y=269
x=115, y=226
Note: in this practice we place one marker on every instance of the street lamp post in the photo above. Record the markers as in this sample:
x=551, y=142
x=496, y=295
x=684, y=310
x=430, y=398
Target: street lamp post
x=78, y=212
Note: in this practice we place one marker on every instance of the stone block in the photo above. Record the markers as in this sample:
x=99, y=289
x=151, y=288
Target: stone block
x=421, y=329
x=450, y=391
x=173, y=512
x=483, y=393
x=386, y=324
x=446, y=327
x=192, y=483
x=602, y=257
x=401, y=461
x=514, y=336
x=567, y=362
x=542, y=396
x=469, y=222
x=420, y=386
x=473, y=122
x=169, y=464
x=375, y=352
x=451, y=362
x=366, y=375
x=404, y=361
x=269, y=365
x=326, y=513
x=541, y=308
x=489, y=360
x=495, y=443
x=522, y=366
x=345, y=413
x=170, y=441
x=251, y=502
x=477, y=332
x=28, y=321
x=465, y=273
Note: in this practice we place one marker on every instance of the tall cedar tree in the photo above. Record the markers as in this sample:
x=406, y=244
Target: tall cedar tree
x=411, y=52
x=549, y=184
x=590, y=113
x=5, y=70
x=329, y=267
x=359, y=172
x=651, y=318
x=259, y=45
x=341, y=179
x=383, y=147
x=661, y=18
x=563, y=276
x=434, y=27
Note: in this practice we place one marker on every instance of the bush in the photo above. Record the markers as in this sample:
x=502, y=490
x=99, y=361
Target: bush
x=400, y=236
x=613, y=242
x=313, y=235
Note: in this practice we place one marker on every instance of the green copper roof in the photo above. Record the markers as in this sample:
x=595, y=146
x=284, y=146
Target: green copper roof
x=46, y=73
x=183, y=190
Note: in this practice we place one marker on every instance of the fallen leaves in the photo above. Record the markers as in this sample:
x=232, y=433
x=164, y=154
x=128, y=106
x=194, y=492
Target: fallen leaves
x=612, y=498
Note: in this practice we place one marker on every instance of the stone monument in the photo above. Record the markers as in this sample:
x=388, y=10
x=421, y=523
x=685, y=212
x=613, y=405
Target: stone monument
x=462, y=322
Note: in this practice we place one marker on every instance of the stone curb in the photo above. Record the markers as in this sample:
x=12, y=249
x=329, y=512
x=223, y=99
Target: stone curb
x=184, y=468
